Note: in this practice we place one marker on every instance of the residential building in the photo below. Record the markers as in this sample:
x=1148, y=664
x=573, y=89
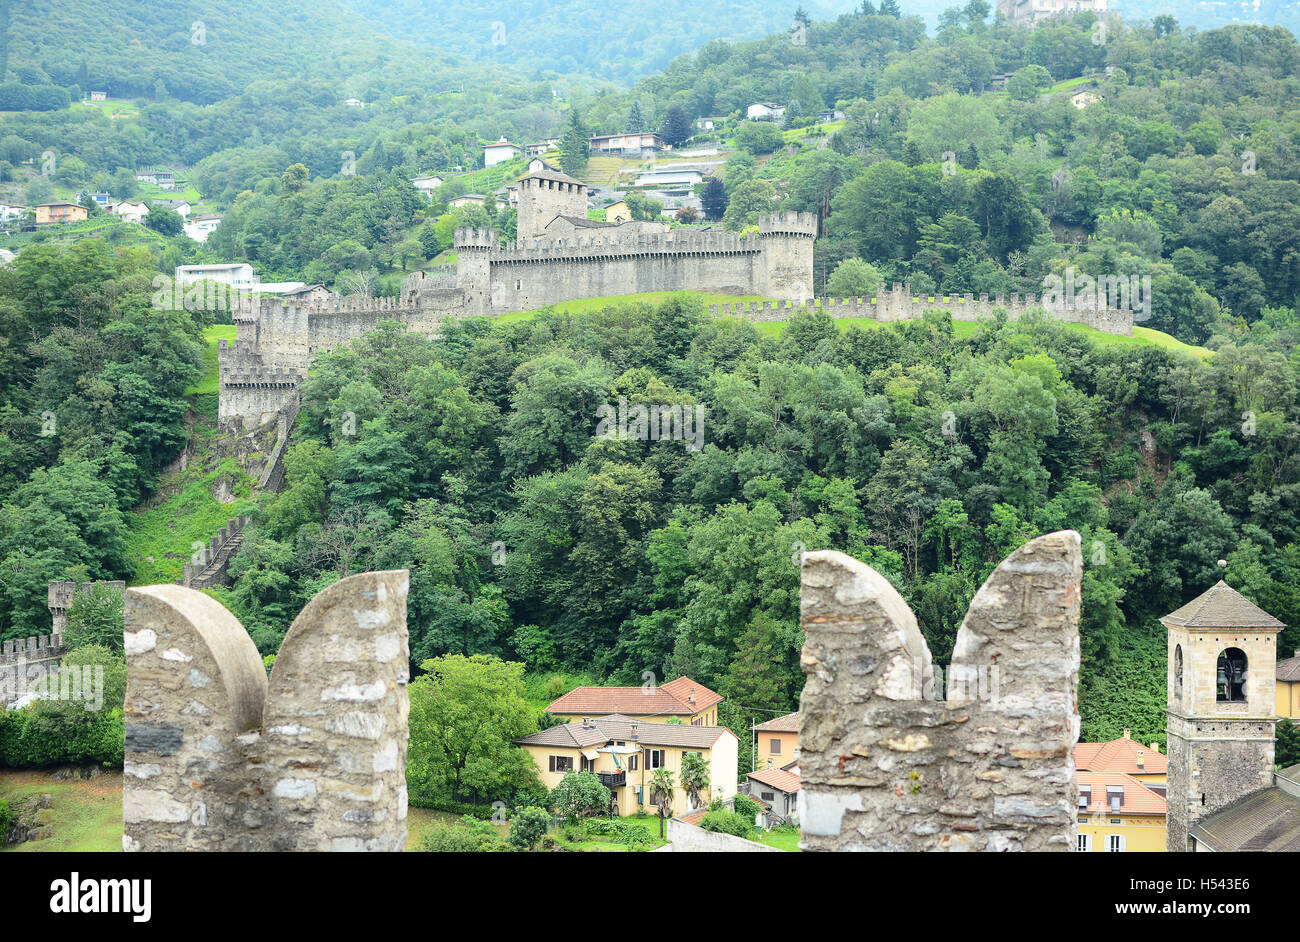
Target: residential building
x=131, y=211
x=682, y=699
x=631, y=144
x=618, y=212
x=10, y=213
x=778, y=789
x=625, y=752
x=47, y=213
x=427, y=183
x=101, y=199
x=541, y=147
x=499, y=151
x=181, y=207
x=99, y=96
x=1288, y=687
x=709, y=123
x=776, y=742
x=671, y=177
x=764, y=111
x=1126, y=756
x=200, y=227
x=1119, y=814
x=235, y=274
x=354, y=102
x=1083, y=98
x=159, y=178
x=468, y=199
x=295, y=290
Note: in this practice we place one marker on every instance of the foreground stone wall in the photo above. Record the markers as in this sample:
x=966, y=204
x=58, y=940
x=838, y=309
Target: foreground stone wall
x=218, y=759
x=888, y=764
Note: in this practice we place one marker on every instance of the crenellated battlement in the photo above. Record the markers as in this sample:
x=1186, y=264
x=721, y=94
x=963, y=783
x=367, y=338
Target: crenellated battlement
x=788, y=223
x=38, y=648
x=474, y=238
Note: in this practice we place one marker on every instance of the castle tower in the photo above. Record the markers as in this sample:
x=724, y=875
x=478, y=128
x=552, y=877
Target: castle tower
x=1220, y=705
x=544, y=193
x=786, y=258
x=474, y=268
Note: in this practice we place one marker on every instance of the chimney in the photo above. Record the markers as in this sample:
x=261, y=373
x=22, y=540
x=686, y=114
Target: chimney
x=635, y=735
x=1126, y=734
x=1141, y=761
x=1155, y=747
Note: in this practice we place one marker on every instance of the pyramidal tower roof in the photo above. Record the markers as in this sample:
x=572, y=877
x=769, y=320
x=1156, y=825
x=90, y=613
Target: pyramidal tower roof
x=1221, y=606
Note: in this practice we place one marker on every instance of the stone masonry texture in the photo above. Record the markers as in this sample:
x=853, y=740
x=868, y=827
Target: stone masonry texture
x=889, y=765
x=220, y=759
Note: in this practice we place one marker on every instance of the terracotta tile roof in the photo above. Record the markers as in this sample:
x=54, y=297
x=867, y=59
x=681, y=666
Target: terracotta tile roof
x=1289, y=670
x=1138, y=799
x=695, y=817
x=1221, y=606
x=1268, y=820
x=604, y=729
x=696, y=696
x=1119, y=755
x=670, y=699
x=779, y=779
x=782, y=724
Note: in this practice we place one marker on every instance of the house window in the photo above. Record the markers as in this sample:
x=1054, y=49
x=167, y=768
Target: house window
x=768, y=797
x=632, y=762
x=587, y=764
x=1231, y=681
x=561, y=763
x=1085, y=843
x=654, y=759
x=1115, y=844
x=776, y=747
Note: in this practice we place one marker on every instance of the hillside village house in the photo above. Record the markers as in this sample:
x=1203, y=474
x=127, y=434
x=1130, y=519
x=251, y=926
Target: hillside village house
x=295, y=290
x=47, y=213
x=236, y=274
x=160, y=178
x=776, y=742
x=1125, y=784
x=618, y=212
x=131, y=211
x=708, y=124
x=684, y=176
x=354, y=102
x=1119, y=814
x=200, y=227
x=1083, y=99
x=683, y=699
x=764, y=111
x=1288, y=687
x=499, y=151
x=541, y=147
x=427, y=183
x=182, y=208
x=778, y=789
x=632, y=144
x=99, y=96
x=467, y=199
x=10, y=213
x=624, y=753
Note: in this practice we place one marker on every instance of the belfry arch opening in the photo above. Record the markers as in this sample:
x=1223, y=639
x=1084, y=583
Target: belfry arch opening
x=1178, y=672
x=1230, y=684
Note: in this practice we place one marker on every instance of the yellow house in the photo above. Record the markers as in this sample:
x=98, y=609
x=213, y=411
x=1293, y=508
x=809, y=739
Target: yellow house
x=1288, y=687
x=625, y=752
x=682, y=699
x=1118, y=814
x=776, y=742
x=1127, y=756
x=618, y=212
x=60, y=212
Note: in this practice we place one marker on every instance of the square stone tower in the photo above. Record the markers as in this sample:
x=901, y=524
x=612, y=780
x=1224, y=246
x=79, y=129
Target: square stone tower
x=1220, y=705
x=544, y=193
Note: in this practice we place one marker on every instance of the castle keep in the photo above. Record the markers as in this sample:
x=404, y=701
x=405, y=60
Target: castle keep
x=560, y=255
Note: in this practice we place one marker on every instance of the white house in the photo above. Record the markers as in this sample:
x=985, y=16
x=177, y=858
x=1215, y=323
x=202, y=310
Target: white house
x=99, y=96
x=160, y=178
x=181, y=207
x=427, y=183
x=200, y=227
x=235, y=274
x=354, y=102
x=499, y=151
x=469, y=199
x=12, y=213
x=763, y=110
x=131, y=211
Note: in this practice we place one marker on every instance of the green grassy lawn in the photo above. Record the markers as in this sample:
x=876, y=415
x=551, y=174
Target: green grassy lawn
x=608, y=844
x=87, y=815
x=781, y=838
x=830, y=127
x=585, y=305
x=208, y=385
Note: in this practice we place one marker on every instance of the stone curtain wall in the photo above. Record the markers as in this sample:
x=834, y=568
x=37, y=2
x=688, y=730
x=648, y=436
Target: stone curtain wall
x=886, y=766
x=219, y=759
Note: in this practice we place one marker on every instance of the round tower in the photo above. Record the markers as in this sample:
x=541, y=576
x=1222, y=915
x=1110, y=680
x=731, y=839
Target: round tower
x=1221, y=706
x=786, y=255
x=474, y=267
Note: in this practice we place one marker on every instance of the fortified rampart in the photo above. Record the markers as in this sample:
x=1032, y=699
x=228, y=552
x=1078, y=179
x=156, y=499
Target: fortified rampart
x=25, y=662
x=218, y=758
x=888, y=763
x=209, y=564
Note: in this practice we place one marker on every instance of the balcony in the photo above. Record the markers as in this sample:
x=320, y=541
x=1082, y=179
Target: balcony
x=612, y=779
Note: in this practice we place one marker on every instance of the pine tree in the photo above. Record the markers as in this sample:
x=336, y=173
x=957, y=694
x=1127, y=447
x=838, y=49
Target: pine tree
x=890, y=8
x=635, y=119
x=676, y=128
x=714, y=199
x=575, y=145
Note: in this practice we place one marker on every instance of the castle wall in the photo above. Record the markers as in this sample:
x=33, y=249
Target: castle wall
x=219, y=759
x=888, y=765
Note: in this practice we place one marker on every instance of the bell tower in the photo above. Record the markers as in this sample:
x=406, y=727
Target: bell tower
x=1220, y=706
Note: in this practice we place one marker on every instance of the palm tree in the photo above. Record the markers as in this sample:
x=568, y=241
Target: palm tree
x=661, y=794
x=695, y=777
